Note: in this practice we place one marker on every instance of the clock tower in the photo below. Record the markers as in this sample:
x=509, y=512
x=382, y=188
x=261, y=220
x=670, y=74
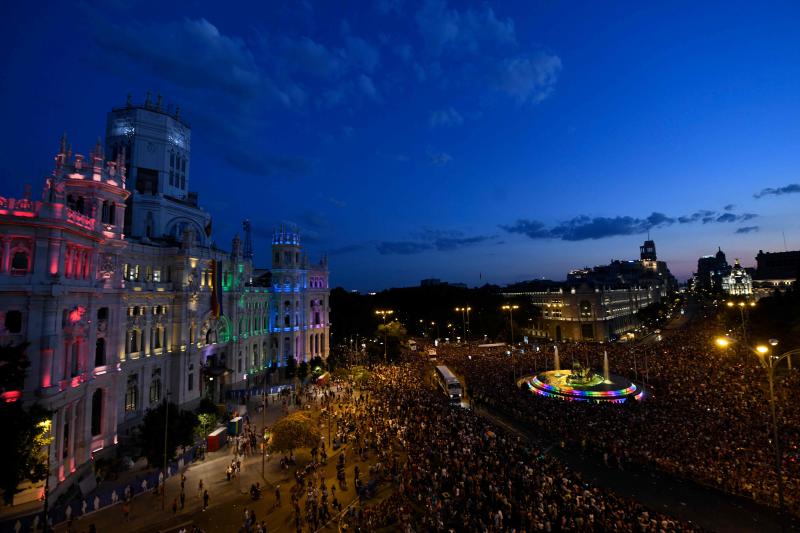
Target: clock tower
x=157, y=148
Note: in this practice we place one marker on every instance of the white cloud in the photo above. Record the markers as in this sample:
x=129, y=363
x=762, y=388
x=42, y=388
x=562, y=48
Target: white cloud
x=445, y=117
x=529, y=79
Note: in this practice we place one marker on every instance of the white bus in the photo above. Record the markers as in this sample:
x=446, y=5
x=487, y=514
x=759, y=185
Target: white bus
x=449, y=383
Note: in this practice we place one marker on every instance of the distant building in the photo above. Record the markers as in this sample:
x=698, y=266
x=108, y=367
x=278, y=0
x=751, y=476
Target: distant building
x=738, y=282
x=430, y=282
x=776, y=270
x=710, y=271
x=600, y=303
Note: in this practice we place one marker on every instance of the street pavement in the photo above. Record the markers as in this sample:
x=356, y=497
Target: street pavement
x=228, y=499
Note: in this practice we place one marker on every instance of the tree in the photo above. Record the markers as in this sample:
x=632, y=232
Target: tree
x=291, y=367
x=297, y=430
x=23, y=448
x=14, y=365
x=207, y=407
x=180, y=432
x=394, y=333
x=206, y=423
x=302, y=371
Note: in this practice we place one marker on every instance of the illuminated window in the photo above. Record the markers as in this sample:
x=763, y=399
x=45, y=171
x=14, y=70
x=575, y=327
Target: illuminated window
x=155, y=386
x=132, y=393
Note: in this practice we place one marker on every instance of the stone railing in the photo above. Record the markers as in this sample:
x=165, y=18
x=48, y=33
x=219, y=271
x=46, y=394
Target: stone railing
x=81, y=220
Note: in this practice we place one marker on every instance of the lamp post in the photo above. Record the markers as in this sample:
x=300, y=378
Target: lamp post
x=510, y=309
x=770, y=362
x=434, y=323
x=166, y=426
x=47, y=425
x=383, y=313
x=464, y=314
x=742, y=305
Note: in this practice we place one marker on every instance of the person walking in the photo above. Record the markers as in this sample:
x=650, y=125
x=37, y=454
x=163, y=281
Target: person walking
x=205, y=500
x=183, y=499
x=277, y=496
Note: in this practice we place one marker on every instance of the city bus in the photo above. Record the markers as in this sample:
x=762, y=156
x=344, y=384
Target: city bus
x=449, y=383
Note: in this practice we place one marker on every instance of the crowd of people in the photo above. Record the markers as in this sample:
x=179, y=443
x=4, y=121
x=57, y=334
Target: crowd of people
x=463, y=473
x=705, y=415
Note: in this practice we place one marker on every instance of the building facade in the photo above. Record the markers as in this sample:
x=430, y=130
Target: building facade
x=738, y=282
x=598, y=304
x=117, y=321
x=776, y=271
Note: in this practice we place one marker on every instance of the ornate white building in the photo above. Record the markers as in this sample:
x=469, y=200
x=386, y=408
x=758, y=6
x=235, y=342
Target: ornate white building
x=115, y=320
x=738, y=282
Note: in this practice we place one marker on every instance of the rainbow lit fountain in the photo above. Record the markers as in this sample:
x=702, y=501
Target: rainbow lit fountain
x=581, y=384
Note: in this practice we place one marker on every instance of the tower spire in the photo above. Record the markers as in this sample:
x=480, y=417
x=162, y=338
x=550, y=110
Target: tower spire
x=248, y=240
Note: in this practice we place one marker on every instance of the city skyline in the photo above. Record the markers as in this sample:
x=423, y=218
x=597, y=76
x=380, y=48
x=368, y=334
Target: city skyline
x=473, y=142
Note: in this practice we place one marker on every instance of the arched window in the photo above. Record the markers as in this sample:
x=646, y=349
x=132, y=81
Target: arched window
x=100, y=354
x=155, y=386
x=97, y=412
x=112, y=213
x=13, y=321
x=133, y=346
x=132, y=393
x=19, y=262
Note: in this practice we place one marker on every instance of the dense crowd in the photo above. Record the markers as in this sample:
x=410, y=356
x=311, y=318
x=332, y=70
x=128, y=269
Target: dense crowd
x=462, y=473
x=705, y=416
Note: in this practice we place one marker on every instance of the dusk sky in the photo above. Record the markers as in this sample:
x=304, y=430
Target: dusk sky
x=465, y=141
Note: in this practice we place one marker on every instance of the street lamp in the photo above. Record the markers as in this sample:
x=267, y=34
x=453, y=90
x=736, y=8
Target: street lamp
x=464, y=317
x=383, y=313
x=742, y=305
x=510, y=309
x=166, y=426
x=46, y=426
x=770, y=362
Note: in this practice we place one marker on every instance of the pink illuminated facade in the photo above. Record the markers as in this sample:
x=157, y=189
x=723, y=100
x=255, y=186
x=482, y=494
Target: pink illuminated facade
x=115, y=321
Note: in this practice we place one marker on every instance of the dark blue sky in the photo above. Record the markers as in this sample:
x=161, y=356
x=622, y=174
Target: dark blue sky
x=467, y=141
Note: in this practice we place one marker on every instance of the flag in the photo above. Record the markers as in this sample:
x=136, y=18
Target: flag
x=216, y=290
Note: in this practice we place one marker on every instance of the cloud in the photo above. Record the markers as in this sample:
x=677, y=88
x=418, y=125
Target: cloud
x=314, y=219
x=361, y=54
x=730, y=217
x=444, y=29
x=786, y=189
x=529, y=79
x=445, y=117
x=531, y=228
x=385, y=7
x=349, y=248
x=267, y=165
x=703, y=215
x=747, y=229
x=182, y=52
x=439, y=159
x=367, y=87
x=591, y=228
x=441, y=240
x=341, y=204
x=402, y=247
x=583, y=228
x=444, y=244
x=707, y=217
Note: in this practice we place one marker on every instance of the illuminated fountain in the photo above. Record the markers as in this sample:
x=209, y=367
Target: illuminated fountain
x=582, y=384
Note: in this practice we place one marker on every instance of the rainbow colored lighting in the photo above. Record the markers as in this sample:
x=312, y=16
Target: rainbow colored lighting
x=567, y=392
